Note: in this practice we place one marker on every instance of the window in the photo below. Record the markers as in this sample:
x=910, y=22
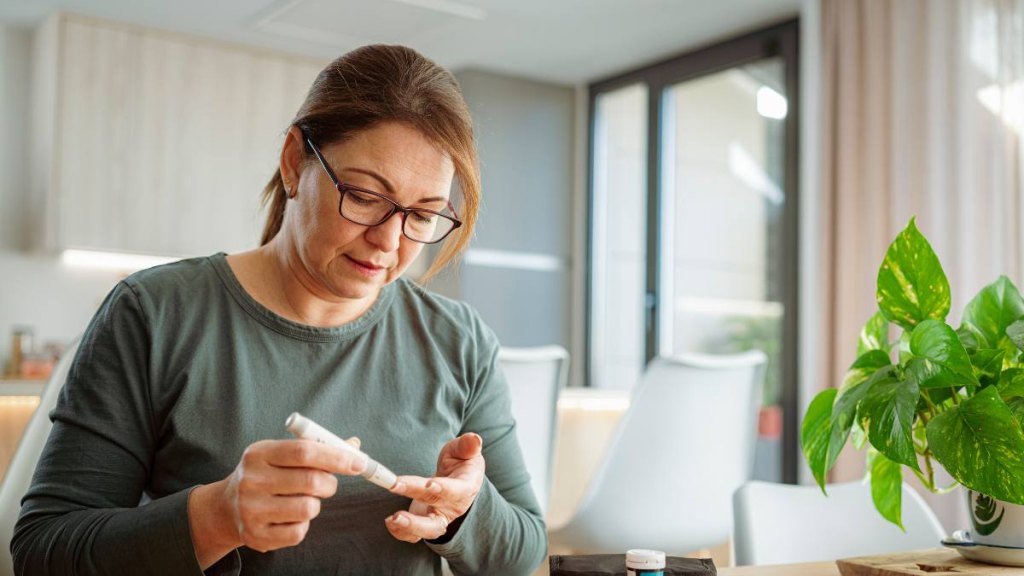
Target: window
x=693, y=221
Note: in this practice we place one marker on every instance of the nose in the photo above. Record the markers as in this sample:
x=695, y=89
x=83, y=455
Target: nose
x=387, y=235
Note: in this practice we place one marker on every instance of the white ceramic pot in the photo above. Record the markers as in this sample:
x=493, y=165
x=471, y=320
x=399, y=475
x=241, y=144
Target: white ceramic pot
x=994, y=522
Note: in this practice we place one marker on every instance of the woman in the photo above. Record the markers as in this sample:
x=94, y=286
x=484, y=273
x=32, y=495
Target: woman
x=187, y=373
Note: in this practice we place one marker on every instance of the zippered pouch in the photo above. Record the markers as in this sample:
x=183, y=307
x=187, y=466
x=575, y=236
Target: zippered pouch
x=615, y=565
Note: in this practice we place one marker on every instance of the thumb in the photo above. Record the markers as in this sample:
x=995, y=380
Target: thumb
x=467, y=446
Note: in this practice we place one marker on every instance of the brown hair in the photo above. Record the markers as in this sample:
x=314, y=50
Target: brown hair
x=381, y=83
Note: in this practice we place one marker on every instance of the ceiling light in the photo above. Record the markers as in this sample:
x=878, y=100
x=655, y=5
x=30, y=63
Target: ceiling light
x=462, y=9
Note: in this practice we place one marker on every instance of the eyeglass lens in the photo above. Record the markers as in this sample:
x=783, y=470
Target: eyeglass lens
x=370, y=210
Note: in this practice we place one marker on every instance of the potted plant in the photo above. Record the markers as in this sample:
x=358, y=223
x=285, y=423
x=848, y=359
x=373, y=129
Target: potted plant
x=934, y=395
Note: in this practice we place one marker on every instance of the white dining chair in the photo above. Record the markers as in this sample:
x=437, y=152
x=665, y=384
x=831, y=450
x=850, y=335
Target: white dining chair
x=535, y=378
x=682, y=448
x=783, y=523
x=23, y=464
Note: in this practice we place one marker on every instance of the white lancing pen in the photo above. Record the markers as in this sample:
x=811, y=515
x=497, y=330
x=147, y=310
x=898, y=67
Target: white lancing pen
x=302, y=427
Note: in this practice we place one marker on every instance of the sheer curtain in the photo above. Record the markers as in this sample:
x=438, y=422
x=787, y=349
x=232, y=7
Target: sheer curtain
x=922, y=114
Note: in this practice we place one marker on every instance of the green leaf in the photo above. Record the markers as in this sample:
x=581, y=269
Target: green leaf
x=1015, y=332
x=844, y=411
x=1011, y=383
x=858, y=437
x=863, y=367
x=988, y=365
x=939, y=357
x=1016, y=405
x=903, y=347
x=889, y=405
x=815, y=434
x=970, y=338
x=874, y=335
x=980, y=443
x=911, y=284
x=887, y=489
x=993, y=310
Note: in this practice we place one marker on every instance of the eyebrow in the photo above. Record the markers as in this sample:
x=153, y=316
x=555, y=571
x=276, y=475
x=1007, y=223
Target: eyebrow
x=387, y=184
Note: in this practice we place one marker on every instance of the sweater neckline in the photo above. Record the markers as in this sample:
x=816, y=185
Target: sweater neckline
x=293, y=329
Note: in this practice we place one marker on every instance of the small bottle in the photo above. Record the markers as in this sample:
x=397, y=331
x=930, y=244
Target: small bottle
x=645, y=563
x=21, y=344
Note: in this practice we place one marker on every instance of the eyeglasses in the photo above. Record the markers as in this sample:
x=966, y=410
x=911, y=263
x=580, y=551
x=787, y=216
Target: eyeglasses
x=368, y=208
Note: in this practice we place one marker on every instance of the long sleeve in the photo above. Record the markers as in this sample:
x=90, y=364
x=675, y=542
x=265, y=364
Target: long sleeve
x=81, y=513
x=181, y=370
x=503, y=532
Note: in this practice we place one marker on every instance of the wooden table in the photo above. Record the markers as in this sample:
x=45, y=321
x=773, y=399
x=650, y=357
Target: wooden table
x=915, y=562
x=808, y=569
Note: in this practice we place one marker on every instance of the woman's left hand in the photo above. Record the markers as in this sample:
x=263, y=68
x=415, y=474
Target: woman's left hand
x=439, y=501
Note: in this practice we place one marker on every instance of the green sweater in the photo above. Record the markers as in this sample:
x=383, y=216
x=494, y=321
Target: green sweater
x=181, y=369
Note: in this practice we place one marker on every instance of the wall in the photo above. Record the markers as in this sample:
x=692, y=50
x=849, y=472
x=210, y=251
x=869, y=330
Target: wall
x=518, y=271
x=526, y=138
x=15, y=74
x=35, y=290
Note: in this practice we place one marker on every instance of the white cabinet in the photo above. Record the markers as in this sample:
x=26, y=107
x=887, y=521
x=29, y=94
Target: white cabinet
x=156, y=142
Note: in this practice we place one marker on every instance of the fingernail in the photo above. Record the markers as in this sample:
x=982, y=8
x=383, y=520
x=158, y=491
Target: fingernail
x=359, y=464
x=400, y=487
x=402, y=521
x=434, y=487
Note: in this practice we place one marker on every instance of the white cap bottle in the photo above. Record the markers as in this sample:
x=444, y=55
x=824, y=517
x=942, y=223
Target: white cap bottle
x=645, y=563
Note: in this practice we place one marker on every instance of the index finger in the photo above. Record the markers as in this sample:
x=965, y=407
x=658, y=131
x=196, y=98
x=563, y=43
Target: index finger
x=309, y=454
x=417, y=488
x=429, y=490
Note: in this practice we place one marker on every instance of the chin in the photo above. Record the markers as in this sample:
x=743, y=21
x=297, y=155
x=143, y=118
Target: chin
x=359, y=288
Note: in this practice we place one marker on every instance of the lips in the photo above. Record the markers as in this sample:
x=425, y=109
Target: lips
x=366, y=264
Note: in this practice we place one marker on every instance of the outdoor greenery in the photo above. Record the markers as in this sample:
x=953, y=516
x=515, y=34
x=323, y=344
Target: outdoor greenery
x=935, y=394
x=762, y=333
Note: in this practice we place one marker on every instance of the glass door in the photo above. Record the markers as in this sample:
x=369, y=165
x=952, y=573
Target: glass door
x=693, y=215
x=722, y=256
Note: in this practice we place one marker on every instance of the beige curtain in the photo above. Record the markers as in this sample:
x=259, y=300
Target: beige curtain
x=922, y=115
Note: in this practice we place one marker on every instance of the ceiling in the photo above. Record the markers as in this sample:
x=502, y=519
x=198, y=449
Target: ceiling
x=561, y=41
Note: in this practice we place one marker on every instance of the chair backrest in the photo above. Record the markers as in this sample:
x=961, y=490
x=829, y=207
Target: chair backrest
x=535, y=377
x=680, y=451
x=782, y=523
x=23, y=464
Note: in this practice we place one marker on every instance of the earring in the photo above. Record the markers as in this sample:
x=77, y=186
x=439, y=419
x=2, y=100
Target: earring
x=289, y=192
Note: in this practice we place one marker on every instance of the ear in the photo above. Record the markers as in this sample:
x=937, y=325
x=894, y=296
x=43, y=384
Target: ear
x=293, y=155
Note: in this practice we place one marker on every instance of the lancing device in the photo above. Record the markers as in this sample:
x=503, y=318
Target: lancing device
x=302, y=427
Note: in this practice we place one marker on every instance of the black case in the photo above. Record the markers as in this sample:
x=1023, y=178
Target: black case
x=615, y=565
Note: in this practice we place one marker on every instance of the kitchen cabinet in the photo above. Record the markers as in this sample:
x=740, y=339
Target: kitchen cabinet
x=154, y=142
x=18, y=401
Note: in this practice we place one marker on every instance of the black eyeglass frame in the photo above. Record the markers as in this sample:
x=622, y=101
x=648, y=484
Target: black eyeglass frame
x=344, y=188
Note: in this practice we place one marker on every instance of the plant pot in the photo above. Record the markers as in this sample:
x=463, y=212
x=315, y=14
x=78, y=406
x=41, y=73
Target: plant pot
x=994, y=522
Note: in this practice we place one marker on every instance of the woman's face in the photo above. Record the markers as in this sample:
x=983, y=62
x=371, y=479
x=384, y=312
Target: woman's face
x=345, y=260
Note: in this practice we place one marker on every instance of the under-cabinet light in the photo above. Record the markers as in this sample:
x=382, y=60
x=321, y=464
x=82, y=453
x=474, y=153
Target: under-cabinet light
x=123, y=261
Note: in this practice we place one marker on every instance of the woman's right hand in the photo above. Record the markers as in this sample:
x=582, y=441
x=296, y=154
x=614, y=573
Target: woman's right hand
x=268, y=500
